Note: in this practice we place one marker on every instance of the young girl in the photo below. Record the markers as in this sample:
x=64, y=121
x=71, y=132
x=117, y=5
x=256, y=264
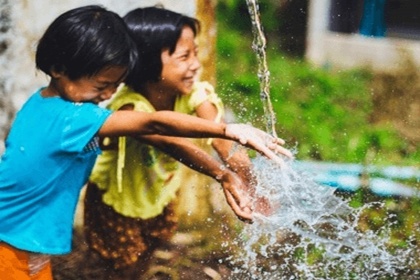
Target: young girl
x=53, y=142
x=129, y=201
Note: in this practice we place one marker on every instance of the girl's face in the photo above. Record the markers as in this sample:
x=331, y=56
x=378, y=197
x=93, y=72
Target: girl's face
x=95, y=89
x=179, y=70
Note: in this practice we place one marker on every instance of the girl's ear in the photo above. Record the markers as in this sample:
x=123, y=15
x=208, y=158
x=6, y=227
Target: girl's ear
x=165, y=56
x=56, y=74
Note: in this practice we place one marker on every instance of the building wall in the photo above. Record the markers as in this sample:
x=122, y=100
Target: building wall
x=347, y=49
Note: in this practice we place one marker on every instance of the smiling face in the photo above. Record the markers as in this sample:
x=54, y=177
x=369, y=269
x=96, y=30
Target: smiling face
x=95, y=89
x=179, y=69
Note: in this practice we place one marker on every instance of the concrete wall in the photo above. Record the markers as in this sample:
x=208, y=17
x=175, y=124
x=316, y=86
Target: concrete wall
x=331, y=49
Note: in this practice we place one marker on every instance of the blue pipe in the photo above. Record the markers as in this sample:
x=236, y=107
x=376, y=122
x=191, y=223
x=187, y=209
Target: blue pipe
x=346, y=176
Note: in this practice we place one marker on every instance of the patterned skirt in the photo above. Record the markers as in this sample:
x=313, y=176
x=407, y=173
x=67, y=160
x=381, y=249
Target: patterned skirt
x=121, y=240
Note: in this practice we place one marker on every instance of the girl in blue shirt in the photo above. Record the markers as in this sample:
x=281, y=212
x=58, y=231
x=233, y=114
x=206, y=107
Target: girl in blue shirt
x=53, y=142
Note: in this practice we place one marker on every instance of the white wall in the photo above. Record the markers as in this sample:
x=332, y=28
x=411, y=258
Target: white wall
x=325, y=48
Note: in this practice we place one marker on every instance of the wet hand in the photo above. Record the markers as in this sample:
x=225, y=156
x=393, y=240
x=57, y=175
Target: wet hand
x=258, y=140
x=239, y=201
x=260, y=204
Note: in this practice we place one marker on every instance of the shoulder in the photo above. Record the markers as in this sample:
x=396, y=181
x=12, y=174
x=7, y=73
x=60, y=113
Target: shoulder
x=200, y=92
x=203, y=91
x=202, y=87
x=127, y=96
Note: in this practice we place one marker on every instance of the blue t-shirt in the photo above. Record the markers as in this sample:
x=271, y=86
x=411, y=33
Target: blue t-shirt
x=50, y=152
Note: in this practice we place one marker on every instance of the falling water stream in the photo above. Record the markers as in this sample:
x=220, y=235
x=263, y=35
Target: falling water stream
x=311, y=233
x=259, y=46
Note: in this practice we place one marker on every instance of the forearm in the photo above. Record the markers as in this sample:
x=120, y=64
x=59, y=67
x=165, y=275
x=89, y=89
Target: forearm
x=187, y=153
x=129, y=123
x=233, y=156
x=167, y=123
x=186, y=126
x=232, y=185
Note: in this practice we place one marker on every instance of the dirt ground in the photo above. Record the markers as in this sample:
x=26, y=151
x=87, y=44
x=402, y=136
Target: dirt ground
x=177, y=260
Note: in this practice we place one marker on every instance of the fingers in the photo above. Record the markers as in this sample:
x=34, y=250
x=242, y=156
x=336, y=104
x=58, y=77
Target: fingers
x=274, y=140
x=284, y=151
x=271, y=146
x=259, y=140
x=240, y=203
x=272, y=154
x=276, y=144
x=264, y=140
x=243, y=214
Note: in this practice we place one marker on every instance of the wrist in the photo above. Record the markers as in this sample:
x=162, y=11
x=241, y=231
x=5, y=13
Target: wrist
x=221, y=173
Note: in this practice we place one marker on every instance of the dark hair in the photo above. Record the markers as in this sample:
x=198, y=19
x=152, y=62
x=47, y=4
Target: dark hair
x=83, y=41
x=154, y=30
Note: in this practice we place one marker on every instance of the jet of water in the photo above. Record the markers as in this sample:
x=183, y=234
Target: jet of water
x=259, y=46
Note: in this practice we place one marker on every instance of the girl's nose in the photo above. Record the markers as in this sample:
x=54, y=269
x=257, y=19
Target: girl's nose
x=195, y=65
x=107, y=94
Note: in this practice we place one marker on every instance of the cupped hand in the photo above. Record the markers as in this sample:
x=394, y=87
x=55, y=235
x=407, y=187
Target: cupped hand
x=238, y=200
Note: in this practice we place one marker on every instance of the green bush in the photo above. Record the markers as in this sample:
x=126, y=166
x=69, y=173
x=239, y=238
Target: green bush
x=324, y=113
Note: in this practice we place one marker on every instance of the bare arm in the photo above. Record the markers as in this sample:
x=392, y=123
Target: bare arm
x=191, y=155
x=124, y=122
x=170, y=123
x=235, y=157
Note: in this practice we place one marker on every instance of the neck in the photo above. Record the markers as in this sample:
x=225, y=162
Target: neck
x=161, y=99
x=51, y=90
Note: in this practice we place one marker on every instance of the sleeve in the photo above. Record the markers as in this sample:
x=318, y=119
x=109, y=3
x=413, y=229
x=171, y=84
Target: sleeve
x=82, y=125
x=204, y=91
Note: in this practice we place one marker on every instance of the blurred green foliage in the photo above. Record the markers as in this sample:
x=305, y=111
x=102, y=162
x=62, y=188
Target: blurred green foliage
x=325, y=113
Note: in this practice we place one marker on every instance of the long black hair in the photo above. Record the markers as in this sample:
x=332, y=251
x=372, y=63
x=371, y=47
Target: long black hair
x=85, y=40
x=154, y=30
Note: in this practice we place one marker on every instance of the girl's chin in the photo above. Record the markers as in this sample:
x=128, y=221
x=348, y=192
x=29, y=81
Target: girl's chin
x=186, y=89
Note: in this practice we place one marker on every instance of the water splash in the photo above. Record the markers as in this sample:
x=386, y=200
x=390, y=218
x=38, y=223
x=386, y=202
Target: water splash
x=312, y=234
x=259, y=45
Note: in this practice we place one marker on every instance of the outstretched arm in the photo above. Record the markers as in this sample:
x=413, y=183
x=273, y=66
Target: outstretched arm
x=191, y=155
x=170, y=123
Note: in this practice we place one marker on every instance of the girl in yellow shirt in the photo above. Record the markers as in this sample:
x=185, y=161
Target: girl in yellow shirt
x=129, y=207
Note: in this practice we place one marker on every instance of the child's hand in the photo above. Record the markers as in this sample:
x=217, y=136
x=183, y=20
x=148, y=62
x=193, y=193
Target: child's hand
x=258, y=140
x=260, y=204
x=236, y=198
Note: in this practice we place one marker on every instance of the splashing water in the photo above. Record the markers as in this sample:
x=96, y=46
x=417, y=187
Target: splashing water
x=311, y=234
x=259, y=45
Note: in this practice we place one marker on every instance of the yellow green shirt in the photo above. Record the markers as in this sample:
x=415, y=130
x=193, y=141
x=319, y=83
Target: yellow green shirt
x=139, y=180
